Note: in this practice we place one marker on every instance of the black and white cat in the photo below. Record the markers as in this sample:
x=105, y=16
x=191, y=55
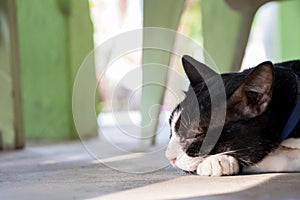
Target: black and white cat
x=259, y=134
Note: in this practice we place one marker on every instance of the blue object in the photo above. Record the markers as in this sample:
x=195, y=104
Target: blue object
x=295, y=116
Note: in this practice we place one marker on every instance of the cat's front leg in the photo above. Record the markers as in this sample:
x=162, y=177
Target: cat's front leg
x=218, y=165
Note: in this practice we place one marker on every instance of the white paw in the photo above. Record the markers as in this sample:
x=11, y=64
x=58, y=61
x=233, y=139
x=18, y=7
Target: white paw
x=218, y=165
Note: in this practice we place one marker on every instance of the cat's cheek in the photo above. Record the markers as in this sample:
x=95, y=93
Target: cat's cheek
x=173, y=149
x=179, y=158
x=186, y=162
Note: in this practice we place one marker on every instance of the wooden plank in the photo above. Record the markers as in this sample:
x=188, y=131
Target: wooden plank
x=11, y=120
x=80, y=45
x=15, y=67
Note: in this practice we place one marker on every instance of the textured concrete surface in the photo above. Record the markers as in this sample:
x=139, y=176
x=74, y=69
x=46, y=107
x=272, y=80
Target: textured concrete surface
x=68, y=171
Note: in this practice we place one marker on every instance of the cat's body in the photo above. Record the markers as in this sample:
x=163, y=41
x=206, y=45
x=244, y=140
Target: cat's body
x=259, y=103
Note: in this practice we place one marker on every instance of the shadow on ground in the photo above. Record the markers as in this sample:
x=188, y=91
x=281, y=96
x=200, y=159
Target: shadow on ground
x=68, y=171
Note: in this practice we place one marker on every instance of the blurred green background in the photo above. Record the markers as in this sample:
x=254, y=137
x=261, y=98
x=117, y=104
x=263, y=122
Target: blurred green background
x=43, y=43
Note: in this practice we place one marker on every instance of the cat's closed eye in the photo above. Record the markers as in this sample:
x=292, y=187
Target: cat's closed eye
x=196, y=133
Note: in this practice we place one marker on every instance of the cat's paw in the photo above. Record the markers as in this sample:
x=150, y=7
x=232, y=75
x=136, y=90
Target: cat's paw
x=218, y=165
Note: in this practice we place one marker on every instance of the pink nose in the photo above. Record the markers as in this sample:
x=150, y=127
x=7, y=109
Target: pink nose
x=172, y=160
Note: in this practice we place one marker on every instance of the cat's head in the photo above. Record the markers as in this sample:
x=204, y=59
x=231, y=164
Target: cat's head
x=247, y=95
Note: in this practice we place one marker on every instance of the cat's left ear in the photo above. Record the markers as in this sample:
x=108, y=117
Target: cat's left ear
x=196, y=71
x=254, y=95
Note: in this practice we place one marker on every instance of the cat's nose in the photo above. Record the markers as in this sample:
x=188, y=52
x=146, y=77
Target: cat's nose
x=172, y=160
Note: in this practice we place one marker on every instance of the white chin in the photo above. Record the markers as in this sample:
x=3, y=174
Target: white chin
x=187, y=163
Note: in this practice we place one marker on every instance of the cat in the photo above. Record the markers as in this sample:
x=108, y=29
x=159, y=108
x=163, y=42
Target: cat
x=259, y=102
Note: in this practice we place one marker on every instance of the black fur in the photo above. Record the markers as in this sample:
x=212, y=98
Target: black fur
x=248, y=135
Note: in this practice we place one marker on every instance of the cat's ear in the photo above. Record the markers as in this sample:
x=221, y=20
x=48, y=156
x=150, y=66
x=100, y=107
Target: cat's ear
x=196, y=71
x=254, y=95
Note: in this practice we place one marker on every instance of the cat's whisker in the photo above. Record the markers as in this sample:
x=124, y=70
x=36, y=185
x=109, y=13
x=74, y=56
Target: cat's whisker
x=196, y=162
x=189, y=118
x=185, y=126
x=247, y=162
x=181, y=172
x=235, y=151
x=183, y=123
x=170, y=166
x=226, y=152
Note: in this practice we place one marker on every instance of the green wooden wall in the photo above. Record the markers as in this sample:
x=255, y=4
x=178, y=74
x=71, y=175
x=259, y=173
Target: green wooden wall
x=55, y=36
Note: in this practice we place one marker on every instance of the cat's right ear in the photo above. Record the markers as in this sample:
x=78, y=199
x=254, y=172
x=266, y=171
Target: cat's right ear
x=196, y=71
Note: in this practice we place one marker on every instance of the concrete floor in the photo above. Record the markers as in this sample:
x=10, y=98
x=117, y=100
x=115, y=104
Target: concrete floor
x=97, y=169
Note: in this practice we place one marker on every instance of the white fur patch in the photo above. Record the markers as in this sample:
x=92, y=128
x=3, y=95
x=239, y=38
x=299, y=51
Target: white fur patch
x=286, y=158
x=174, y=144
x=175, y=118
x=293, y=143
